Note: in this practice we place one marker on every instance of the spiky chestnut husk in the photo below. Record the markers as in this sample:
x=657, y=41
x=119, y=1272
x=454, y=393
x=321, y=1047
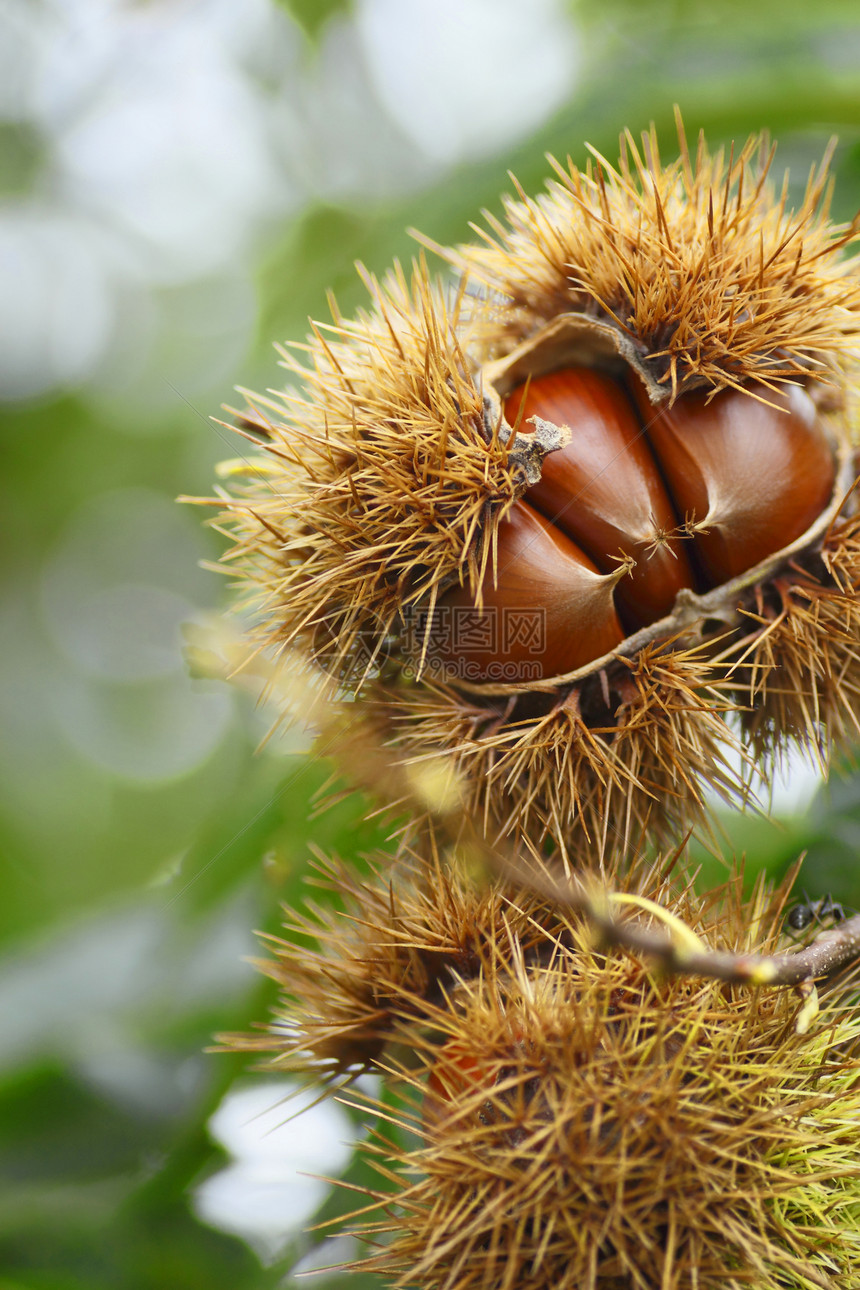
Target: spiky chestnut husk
x=390, y=487
x=378, y=488
x=618, y=761
x=585, y=1123
x=703, y=267
x=357, y=978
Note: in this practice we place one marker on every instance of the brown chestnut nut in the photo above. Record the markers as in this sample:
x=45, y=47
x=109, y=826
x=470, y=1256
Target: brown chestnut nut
x=604, y=490
x=749, y=470
x=545, y=609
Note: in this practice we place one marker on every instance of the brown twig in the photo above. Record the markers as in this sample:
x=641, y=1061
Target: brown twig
x=680, y=950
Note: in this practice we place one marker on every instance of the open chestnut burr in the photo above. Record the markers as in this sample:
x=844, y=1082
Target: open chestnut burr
x=579, y=524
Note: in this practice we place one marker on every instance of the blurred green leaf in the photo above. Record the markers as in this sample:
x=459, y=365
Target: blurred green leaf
x=312, y=15
x=22, y=152
x=71, y=1166
x=268, y=826
x=832, y=865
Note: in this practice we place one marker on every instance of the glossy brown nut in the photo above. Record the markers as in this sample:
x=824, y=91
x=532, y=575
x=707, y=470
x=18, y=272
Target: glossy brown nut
x=460, y=1081
x=604, y=490
x=462, y=1076
x=549, y=612
x=753, y=476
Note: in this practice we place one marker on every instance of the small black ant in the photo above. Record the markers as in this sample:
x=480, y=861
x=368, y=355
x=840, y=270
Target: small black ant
x=826, y=909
